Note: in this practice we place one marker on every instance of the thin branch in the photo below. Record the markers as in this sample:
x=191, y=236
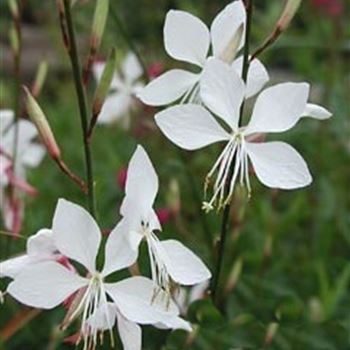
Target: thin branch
x=81, y=95
x=129, y=41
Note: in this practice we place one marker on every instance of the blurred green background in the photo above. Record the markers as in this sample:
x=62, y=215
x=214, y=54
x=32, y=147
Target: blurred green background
x=287, y=268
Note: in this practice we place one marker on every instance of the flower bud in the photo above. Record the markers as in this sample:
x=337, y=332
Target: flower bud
x=99, y=22
x=271, y=332
x=38, y=117
x=234, y=275
x=98, y=27
x=288, y=13
x=40, y=78
x=14, y=39
x=14, y=9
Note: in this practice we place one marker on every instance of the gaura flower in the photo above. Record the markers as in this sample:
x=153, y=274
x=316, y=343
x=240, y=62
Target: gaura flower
x=28, y=155
x=124, y=87
x=187, y=38
x=47, y=284
x=277, y=108
x=170, y=260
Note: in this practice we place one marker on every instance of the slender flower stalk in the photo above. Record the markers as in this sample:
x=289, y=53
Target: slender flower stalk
x=287, y=15
x=16, y=44
x=227, y=209
x=129, y=41
x=81, y=94
x=98, y=27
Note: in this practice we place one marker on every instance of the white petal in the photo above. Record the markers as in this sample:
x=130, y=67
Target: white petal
x=76, y=233
x=131, y=68
x=130, y=333
x=12, y=267
x=45, y=285
x=98, y=69
x=42, y=243
x=257, y=75
x=190, y=126
x=119, y=251
x=168, y=87
x=115, y=106
x=141, y=186
x=278, y=165
x=316, y=111
x=175, y=323
x=278, y=108
x=6, y=119
x=197, y=292
x=222, y=91
x=140, y=300
x=26, y=133
x=33, y=155
x=183, y=265
x=227, y=31
x=186, y=37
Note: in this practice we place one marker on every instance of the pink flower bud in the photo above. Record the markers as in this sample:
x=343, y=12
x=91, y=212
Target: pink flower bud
x=164, y=215
x=332, y=8
x=121, y=177
x=155, y=69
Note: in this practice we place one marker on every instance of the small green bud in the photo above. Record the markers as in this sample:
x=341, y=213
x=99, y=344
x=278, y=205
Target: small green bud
x=39, y=119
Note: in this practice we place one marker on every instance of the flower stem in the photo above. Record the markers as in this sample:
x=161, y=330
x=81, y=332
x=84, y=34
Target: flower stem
x=81, y=94
x=227, y=209
x=129, y=41
x=17, y=50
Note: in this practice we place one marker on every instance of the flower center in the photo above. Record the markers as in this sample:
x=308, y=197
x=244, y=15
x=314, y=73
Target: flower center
x=157, y=256
x=231, y=165
x=92, y=304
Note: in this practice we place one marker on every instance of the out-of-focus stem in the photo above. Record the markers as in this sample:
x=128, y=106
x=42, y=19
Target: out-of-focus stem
x=81, y=94
x=22, y=318
x=227, y=209
x=129, y=41
x=287, y=15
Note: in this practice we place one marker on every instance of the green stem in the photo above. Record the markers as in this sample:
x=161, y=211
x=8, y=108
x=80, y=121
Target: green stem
x=16, y=107
x=81, y=94
x=227, y=209
x=129, y=41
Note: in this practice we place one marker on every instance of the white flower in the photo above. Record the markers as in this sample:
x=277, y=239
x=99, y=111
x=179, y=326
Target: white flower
x=170, y=260
x=277, y=108
x=47, y=284
x=124, y=87
x=28, y=155
x=187, y=38
x=40, y=247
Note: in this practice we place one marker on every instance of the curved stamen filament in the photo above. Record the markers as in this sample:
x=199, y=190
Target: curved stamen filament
x=235, y=152
x=93, y=299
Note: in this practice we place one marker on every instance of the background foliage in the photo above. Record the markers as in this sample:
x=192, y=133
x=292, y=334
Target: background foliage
x=287, y=268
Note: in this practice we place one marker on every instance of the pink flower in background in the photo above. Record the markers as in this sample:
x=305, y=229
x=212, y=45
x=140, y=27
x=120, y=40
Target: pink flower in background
x=155, y=69
x=332, y=8
x=164, y=215
x=121, y=177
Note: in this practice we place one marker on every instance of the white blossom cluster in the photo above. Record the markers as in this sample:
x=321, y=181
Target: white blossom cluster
x=207, y=110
